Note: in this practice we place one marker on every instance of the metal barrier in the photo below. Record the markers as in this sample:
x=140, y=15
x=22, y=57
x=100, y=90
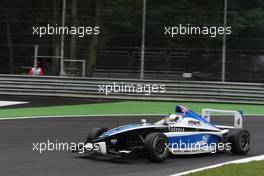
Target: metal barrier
x=194, y=91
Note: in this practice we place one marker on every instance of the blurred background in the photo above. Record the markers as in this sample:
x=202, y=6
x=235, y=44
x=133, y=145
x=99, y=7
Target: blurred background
x=116, y=52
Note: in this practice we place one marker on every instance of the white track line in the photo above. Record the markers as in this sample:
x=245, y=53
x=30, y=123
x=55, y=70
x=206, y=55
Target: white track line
x=239, y=161
x=9, y=103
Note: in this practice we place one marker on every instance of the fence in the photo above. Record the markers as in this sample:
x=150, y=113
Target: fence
x=194, y=91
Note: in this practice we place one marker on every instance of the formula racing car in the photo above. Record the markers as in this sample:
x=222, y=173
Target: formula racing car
x=184, y=132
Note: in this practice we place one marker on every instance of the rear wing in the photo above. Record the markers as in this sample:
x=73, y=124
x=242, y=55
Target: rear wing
x=238, y=116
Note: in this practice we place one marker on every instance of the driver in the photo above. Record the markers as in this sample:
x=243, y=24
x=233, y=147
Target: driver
x=172, y=118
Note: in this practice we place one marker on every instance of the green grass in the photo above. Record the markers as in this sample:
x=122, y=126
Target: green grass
x=255, y=168
x=126, y=107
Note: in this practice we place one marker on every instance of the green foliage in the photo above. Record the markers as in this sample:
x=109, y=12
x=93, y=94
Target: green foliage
x=255, y=168
x=126, y=107
x=121, y=24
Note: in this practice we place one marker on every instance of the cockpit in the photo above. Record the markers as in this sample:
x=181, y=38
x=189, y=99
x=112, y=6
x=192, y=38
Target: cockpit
x=169, y=119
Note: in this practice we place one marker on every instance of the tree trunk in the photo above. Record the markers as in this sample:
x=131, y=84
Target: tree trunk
x=90, y=64
x=55, y=41
x=10, y=48
x=75, y=23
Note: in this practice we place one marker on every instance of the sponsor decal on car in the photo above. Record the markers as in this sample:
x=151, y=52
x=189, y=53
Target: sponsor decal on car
x=194, y=123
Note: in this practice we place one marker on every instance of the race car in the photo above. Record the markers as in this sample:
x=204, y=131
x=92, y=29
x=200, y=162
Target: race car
x=184, y=132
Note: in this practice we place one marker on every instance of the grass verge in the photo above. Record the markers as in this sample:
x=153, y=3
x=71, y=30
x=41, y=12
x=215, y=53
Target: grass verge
x=127, y=107
x=255, y=168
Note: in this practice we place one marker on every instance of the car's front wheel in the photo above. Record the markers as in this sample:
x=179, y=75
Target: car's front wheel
x=156, y=147
x=95, y=133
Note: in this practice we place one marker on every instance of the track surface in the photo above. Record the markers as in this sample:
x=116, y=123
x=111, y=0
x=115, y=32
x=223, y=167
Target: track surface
x=17, y=157
x=38, y=101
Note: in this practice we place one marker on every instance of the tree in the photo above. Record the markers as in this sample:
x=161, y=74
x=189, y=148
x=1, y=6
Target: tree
x=92, y=50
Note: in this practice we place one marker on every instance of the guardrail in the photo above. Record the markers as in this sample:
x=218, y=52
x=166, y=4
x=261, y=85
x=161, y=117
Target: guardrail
x=195, y=91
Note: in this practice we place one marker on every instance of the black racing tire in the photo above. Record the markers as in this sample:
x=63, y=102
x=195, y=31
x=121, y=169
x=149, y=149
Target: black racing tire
x=94, y=133
x=155, y=146
x=240, y=141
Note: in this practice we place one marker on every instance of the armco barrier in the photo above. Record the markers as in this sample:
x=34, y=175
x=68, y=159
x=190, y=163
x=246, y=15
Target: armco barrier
x=195, y=91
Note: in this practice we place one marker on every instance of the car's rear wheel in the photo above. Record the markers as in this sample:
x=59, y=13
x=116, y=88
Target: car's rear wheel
x=155, y=146
x=240, y=141
x=95, y=133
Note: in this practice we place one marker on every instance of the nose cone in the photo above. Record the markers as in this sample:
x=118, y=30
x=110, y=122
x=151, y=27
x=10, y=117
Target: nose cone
x=121, y=129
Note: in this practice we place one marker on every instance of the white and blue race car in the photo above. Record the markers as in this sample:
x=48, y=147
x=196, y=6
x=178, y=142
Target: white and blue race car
x=184, y=132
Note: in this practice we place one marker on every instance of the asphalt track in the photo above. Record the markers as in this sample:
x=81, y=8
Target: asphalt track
x=18, y=159
x=42, y=101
